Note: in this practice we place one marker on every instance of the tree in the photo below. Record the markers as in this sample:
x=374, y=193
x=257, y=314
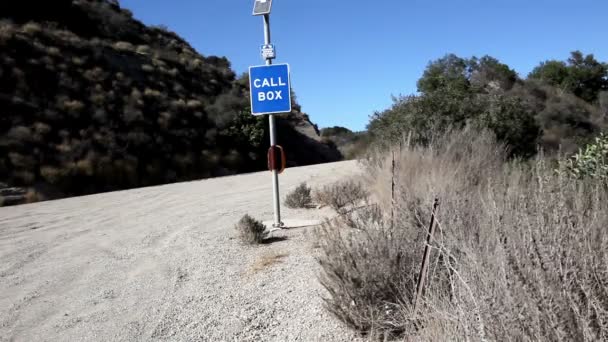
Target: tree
x=451, y=72
x=513, y=121
x=473, y=75
x=587, y=77
x=581, y=75
x=489, y=74
x=550, y=72
x=456, y=92
x=336, y=130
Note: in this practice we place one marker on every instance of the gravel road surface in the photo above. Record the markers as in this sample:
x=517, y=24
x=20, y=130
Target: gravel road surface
x=163, y=264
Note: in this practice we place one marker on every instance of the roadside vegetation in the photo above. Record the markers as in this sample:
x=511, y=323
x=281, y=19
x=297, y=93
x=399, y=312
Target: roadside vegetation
x=559, y=106
x=341, y=195
x=519, y=251
x=251, y=231
x=591, y=162
x=300, y=197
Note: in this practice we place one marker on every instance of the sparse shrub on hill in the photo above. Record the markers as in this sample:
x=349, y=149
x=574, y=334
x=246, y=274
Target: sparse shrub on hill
x=251, y=231
x=300, y=197
x=519, y=251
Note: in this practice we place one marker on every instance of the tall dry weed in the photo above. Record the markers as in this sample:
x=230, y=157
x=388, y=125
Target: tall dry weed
x=520, y=253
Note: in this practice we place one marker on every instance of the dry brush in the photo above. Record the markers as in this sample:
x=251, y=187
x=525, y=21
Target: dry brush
x=520, y=252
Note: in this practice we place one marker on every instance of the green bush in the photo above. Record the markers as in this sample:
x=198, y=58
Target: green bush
x=591, y=161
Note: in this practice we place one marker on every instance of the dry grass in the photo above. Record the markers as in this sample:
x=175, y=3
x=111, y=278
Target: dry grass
x=368, y=272
x=267, y=260
x=300, y=197
x=251, y=231
x=521, y=252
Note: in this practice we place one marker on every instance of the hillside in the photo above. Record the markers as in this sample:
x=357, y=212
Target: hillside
x=351, y=144
x=92, y=100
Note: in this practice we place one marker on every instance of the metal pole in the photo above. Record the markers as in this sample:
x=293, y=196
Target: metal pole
x=267, y=34
x=273, y=139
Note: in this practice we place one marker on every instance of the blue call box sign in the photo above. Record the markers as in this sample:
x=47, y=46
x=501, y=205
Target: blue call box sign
x=270, y=89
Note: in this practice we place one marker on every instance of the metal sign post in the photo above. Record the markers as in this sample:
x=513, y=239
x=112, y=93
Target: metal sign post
x=270, y=93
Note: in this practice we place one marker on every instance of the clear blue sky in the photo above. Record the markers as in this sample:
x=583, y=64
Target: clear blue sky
x=348, y=57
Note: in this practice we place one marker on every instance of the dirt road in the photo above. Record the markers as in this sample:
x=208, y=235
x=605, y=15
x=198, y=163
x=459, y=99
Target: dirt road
x=163, y=263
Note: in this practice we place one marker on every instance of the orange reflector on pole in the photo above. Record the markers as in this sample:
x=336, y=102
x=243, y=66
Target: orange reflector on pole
x=283, y=160
x=276, y=159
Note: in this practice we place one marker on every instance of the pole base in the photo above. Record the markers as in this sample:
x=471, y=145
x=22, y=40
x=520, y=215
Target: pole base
x=292, y=223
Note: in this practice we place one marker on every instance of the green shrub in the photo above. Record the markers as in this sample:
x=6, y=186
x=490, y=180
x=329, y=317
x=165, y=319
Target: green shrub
x=300, y=197
x=591, y=161
x=251, y=231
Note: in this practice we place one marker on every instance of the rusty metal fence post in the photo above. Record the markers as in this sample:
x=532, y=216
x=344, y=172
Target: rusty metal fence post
x=425, y=258
x=393, y=192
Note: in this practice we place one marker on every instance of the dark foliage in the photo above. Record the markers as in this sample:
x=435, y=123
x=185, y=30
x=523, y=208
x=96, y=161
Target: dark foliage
x=581, y=75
